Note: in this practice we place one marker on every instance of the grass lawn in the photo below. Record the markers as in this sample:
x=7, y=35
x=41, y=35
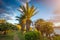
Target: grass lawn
x=8, y=36
x=20, y=35
x=56, y=38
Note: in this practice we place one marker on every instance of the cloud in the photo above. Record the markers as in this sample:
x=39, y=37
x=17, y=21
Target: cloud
x=56, y=11
x=8, y=15
x=24, y=1
x=2, y=11
x=49, y=3
x=7, y=11
x=55, y=19
x=13, y=21
x=0, y=1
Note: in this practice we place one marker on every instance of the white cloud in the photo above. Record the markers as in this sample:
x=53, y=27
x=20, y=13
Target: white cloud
x=12, y=21
x=24, y=1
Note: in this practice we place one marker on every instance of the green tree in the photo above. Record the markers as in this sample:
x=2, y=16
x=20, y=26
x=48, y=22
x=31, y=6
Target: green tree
x=44, y=27
x=3, y=27
x=48, y=28
x=39, y=25
x=7, y=26
x=11, y=26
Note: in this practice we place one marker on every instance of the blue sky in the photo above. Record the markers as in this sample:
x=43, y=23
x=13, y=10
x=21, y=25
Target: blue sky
x=8, y=9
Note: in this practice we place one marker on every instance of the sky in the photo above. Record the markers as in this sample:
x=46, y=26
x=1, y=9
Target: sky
x=49, y=10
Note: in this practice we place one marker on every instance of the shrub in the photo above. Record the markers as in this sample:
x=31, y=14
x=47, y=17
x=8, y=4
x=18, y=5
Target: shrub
x=32, y=35
x=56, y=38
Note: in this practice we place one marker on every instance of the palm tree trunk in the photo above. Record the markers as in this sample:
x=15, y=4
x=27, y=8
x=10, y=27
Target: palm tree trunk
x=27, y=26
x=22, y=27
x=28, y=23
x=50, y=37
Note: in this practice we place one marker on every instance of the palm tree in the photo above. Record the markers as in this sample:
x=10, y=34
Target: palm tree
x=22, y=21
x=28, y=12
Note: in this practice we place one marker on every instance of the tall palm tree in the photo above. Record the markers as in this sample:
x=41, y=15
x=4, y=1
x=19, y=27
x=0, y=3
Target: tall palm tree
x=22, y=22
x=28, y=12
